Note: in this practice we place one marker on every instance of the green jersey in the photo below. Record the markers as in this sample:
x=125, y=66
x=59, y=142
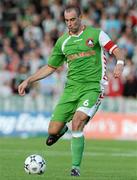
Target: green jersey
x=84, y=55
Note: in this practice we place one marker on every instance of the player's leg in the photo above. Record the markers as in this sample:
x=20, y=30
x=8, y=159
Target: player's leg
x=87, y=107
x=56, y=130
x=77, y=143
x=62, y=114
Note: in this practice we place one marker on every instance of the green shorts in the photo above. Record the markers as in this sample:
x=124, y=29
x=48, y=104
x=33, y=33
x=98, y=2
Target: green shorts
x=78, y=97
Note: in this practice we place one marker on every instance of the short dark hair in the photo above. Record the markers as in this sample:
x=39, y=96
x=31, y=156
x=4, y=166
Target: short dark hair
x=76, y=8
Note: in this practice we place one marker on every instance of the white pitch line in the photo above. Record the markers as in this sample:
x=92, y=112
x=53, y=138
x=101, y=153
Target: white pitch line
x=68, y=153
x=93, y=154
x=112, y=154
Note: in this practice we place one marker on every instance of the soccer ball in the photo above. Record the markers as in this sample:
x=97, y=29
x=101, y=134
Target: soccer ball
x=35, y=164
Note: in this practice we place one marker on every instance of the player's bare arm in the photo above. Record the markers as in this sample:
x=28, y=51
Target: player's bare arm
x=40, y=74
x=120, y=63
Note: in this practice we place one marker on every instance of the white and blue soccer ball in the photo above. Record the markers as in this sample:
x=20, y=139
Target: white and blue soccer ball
x=35, y=164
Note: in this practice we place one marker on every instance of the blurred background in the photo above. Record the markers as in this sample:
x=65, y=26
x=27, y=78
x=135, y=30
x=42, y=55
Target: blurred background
x=28, y=32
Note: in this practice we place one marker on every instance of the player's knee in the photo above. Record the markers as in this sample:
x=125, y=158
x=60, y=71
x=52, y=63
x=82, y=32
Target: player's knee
x=77, y=125
x=79, y=122
x=75, y=128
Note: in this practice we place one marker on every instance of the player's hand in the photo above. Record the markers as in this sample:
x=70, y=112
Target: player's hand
x=118, y=70
x=22, y=87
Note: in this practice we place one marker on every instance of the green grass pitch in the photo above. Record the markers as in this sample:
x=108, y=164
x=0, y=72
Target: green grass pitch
x=103, y=160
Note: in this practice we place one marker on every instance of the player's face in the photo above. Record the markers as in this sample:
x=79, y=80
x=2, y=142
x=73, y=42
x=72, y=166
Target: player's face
x=73, y=21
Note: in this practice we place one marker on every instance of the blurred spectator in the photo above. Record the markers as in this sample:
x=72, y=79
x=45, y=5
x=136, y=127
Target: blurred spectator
x=33, y=32
x=5, y=81
x=20, y=47
x=3, y=58
x=35, y=61
x=115, y=86
x=135, y=55
x=61, y=25
x=127, y=43
x=49, y=23
x=13, y=34
x=130, y=79
x=46, y=46
x=20, y=75
x=56, y=8
x=130, y=68
x=86, y=17
x=113, y=26
x=130, y=86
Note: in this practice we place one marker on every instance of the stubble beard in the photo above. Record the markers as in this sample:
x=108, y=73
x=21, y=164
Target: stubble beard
x=76, y=30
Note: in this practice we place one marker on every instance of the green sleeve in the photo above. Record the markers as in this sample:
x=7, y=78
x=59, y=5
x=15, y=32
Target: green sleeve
x=57, y=58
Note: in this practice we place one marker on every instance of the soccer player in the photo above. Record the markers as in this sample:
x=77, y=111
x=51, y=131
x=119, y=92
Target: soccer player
x=82, y=48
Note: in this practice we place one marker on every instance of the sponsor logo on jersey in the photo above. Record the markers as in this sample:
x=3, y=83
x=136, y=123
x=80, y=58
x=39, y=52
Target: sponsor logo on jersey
x=89, y=42
x=81, y=54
